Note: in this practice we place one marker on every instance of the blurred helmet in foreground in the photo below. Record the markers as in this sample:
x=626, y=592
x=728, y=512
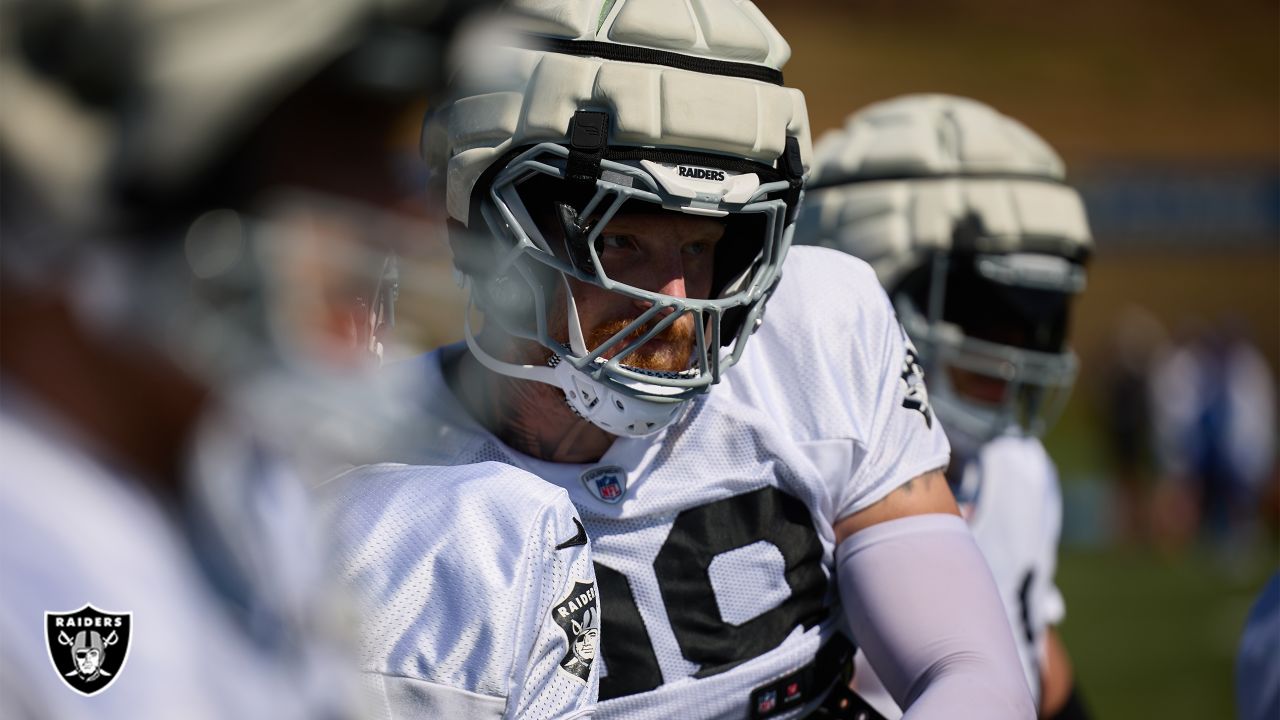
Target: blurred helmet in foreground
x=965, y=217
x=121, y=108
x=571, y=112
x=203, y=177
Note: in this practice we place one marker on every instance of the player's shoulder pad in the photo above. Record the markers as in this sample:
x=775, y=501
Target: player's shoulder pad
x=827, y=302
x=401, y=498
x=820, y=283
x=819, y=361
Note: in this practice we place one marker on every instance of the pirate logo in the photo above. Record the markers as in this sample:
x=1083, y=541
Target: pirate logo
x=88, y=647
x=916, y=397
x=578, y=615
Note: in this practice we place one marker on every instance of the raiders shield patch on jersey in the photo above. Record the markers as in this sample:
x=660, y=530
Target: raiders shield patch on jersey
x=578, y=615
x=88, y=647
x=916, y=396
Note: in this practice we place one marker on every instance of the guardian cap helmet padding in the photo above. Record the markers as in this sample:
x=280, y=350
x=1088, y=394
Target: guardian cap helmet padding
x=964, y=214
x=583, y=107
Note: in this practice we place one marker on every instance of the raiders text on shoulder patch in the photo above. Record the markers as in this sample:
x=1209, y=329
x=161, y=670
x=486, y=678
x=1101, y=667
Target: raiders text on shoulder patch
x=578, y=615
x=88, y=647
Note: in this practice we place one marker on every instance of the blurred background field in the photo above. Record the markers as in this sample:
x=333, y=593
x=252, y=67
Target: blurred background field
x=1154, y=635
x=1167, y=113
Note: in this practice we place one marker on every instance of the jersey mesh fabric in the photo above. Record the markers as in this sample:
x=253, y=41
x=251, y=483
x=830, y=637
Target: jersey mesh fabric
x=454, y=573
x=828, y=364
x=809, y=427
x=541, y=689
x=748, y=581
x=1013, y=505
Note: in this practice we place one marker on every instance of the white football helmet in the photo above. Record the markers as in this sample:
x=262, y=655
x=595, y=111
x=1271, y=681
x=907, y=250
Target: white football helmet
x=965, y=217
x=573, y=109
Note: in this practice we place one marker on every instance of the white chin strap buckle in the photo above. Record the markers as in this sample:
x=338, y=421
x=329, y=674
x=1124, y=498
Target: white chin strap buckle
x=615, y=412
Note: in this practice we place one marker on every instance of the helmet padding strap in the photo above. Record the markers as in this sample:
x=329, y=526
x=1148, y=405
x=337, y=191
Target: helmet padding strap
x=588, y=137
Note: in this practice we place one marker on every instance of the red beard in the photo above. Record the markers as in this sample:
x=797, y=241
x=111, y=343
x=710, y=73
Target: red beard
x=668, y=351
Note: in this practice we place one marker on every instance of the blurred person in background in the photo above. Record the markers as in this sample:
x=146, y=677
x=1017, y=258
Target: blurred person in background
x=175, y=348
x=1214, y=401
x=1173, y=400
x=1135, y=340
x=966, y=219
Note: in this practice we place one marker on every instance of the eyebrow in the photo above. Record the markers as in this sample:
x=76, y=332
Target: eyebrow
x=708, y=229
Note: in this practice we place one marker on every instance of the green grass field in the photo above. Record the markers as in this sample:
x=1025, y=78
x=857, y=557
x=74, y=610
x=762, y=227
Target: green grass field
x=1156, y=637
x=1152, y=634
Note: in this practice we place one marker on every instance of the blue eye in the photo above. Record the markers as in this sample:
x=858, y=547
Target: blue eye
x=616, y=242
x=696, y=248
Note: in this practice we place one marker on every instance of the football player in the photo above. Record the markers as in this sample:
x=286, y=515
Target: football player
x=965, y=217
x=622, y=181
x=159, y=161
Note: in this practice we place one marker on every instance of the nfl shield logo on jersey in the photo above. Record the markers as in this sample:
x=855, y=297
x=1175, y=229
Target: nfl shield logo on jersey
x=607, y=483
x=88, y=647
x=578, y=615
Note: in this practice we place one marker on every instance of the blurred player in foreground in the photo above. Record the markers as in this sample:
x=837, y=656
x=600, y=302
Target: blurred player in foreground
x=965, y=217
x=168, y=169
x=622, y=179
x=1258, y=659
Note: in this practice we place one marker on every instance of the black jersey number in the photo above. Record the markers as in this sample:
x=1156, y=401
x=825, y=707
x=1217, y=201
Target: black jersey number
x=682, y=567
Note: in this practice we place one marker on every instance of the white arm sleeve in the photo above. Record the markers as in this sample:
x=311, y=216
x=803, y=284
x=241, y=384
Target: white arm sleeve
x=923, y=606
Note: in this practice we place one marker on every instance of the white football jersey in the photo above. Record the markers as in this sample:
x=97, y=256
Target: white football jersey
x=1010, y=497
x=474, y=591
x=713, y=538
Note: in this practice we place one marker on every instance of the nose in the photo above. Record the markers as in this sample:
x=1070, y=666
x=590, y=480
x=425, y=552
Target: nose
x=663, y=273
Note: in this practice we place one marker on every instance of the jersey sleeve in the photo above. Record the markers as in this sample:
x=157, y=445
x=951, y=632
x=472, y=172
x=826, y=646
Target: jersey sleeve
x=901, y=437
x=1051, y=606
x=559, y=678
x=473, y=591
x=832, y=365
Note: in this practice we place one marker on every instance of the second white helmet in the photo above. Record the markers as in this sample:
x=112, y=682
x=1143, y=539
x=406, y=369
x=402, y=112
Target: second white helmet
x=965, y=216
